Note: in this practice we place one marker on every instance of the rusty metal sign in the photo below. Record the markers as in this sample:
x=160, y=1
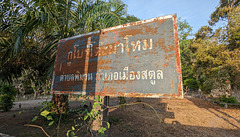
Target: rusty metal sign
x=139, y=59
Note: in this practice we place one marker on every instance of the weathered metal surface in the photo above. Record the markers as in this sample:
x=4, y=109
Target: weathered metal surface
x=139, y=59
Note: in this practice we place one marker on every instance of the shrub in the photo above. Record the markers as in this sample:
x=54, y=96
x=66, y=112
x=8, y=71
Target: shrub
x=226, y=99
x=7, y=97
x=207, y=87
x=191, y=84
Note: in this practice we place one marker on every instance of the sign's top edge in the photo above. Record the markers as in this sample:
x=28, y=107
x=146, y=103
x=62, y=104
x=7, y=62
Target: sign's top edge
x=122, y=26
x=142, y=22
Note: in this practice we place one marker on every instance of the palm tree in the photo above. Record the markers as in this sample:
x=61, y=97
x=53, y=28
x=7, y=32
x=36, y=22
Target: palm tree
x=37, y=25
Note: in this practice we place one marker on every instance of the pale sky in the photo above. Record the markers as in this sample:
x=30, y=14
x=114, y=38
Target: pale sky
x=196, y=12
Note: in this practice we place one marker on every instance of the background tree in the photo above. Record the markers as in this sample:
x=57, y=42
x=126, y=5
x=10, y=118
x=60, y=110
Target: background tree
x=31, y=31
x=7, y=97
x=211, y=59
x=185, y=39
x=215, y=53
x=228, y=10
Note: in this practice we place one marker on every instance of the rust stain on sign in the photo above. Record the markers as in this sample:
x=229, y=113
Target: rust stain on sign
x=139, y=59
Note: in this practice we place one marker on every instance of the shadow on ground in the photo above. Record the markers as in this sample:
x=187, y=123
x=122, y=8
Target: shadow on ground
x=179, y=117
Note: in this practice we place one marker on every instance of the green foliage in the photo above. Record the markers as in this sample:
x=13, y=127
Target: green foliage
x=234, y=28
x=102, y=131
x=52, y=108
x=223, y=10
x=226, y=99
x=7, y=97
x=35, y=118
x=191, y=84
x=228, y=10
x=184, y=30
x=207, y=86
x=211, y=60
x=49, y=113
x=30, y=31
x=209, y=63
x=216, y=54
x=88, y=117
x=129, y=19
x=70, y=133
x=204, y=32
x=187, y=55
x=6, y=102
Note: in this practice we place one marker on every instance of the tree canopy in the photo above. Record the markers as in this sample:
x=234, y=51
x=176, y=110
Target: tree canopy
x=210, y=60
x=30, y=31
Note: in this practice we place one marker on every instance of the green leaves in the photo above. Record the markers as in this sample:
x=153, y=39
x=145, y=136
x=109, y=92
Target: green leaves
x=108, y=124
x=73, y=128
x=85, y=117
x=184, y=30
x=49, y=118
x=70, y=133
x=7, y=97
x=35, y=118
x=222, y=11
x=44, y=113
x=49, y=124
x=101, y=131
x=40, y=25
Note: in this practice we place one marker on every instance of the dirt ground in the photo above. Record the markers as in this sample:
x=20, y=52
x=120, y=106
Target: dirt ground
x=178, y=117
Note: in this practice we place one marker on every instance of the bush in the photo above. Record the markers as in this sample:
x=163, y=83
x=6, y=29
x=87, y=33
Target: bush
x=226, y=99
x=207, y=87
x=191, y=84
x=7, y=97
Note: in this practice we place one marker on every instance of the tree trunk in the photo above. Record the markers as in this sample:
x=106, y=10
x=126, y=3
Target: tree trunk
x=235, y=91
x=61, y=102
x=35, y=93
x=102, y=119
x=235, y=82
